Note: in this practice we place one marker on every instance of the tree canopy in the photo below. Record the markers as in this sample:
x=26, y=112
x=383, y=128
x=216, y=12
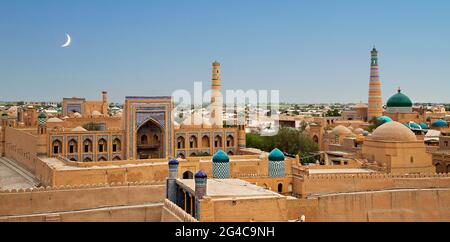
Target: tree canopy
x=289, y=140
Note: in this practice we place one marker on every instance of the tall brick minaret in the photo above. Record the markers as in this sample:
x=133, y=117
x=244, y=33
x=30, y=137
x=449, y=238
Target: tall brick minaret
x=375, y=100
x=216, y=96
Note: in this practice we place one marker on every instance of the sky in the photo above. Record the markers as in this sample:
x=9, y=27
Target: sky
x=311, y=51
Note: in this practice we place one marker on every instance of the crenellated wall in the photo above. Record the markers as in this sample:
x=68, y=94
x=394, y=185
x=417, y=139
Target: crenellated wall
x=413, y=205
x=314, y=185
x=20, y=204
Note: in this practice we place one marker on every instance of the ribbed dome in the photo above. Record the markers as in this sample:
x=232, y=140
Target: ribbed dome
x=221, y=157
x=413, y=125
x=439, y=123
x=276, y=155
x=54, y=120
x=399, y=100
x=383, y=119
x=393, y=131
x=423, y=125
x=341, y=130
x=358, y=131
x=79, y=129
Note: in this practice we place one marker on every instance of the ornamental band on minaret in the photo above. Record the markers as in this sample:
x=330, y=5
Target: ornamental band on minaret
x=375, y=100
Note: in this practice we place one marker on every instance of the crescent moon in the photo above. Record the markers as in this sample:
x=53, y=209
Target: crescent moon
x=69, y=40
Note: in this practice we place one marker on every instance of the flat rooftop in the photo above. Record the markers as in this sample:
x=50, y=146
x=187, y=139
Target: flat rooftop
x=225, y=188
x=340, y=171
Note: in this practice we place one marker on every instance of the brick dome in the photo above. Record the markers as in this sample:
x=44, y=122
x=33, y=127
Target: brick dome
x=393, y=131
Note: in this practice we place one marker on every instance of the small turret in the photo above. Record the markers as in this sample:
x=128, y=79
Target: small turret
x=171, y=192
x=42, y=134
x=276, y=163
x=201, y=179
x=221, y=165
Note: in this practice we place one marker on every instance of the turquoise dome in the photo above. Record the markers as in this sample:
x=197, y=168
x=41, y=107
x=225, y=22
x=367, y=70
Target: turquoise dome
x=439, y=123
x=423, y=125
x=399, y=100
x=276, y=155
x=383, y=119
x=413, y=125
x=221, y=157
x=42, y=115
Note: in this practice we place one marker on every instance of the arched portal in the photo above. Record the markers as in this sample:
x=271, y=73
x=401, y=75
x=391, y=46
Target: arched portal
x=316, y=139
x=150, y=148
x=188, y=175
x=280, y=187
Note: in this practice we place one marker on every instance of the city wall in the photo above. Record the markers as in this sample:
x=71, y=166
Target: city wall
x=313, y=185
x=21, y=146
x=71, y=203
x=385, y=206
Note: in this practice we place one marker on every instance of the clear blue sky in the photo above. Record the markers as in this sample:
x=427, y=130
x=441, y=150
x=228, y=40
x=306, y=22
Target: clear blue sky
x=312, y=51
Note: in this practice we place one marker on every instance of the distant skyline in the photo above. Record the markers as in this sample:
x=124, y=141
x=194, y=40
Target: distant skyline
x=311, y=51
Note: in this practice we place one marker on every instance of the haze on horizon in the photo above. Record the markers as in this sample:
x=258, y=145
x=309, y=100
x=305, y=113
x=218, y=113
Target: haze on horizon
x=312, y=51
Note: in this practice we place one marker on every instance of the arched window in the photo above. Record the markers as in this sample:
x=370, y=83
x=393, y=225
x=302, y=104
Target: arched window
x=193, y=142
x=117, y=145
x=144, y=139
x=180, y=142
x=116, y=158
x=87, y=146
x=57, y=147
x=73, y=146
x=280, y=187
x=205, y=142
x=156, y=138
x=102, y=145
x=230, y=141
x=181, y=156
x=316, y=139
x=102, y=159
x=87, y=159
x=218, y=141
x=230, y=153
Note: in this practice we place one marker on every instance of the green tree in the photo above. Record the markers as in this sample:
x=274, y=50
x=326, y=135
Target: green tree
x=290, y=141
x=333, y=113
